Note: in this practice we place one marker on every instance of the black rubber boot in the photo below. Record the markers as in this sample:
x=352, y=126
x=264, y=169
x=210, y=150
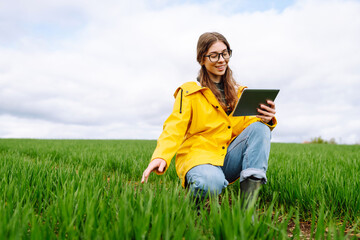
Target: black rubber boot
x=249, y=189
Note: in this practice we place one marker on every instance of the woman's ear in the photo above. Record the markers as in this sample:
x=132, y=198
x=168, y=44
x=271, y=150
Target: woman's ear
x=202, y=62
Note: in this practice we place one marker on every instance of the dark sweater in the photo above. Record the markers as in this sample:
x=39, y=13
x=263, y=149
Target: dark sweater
x=220, y=86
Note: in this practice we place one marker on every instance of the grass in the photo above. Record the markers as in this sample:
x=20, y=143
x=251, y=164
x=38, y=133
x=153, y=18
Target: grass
x=89, y=189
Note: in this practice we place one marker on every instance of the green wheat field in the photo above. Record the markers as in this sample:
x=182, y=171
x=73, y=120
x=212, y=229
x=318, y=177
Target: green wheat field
x=90, y=189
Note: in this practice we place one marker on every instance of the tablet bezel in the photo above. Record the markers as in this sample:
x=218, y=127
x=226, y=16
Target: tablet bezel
x=251, y=99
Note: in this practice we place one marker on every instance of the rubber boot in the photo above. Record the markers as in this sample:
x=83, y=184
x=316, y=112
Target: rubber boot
x=249, y=189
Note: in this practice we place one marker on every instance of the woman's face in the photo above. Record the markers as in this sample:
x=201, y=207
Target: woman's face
x=216, y=69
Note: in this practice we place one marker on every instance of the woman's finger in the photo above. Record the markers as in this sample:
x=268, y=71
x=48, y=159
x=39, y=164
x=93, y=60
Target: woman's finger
x=157, y=164
x=266, y=113
x=145, y=177
x=264, y=119
x=162, y=166
x=147, y=172
x=271, y=103
x=268, y=109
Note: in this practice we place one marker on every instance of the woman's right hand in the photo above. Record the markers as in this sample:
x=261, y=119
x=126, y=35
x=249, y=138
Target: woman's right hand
x=158, y=164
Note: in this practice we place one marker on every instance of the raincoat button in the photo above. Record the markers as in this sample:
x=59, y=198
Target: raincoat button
x=217, y=106
x=229, y=127
x=223, y=147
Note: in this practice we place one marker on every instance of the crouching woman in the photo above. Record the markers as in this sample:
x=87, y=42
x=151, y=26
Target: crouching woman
x=213, y=148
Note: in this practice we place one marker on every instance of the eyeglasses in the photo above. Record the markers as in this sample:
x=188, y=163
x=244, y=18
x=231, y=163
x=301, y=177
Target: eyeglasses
x=215, y=57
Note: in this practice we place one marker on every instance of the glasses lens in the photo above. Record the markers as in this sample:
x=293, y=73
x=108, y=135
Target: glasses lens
x=214, y=57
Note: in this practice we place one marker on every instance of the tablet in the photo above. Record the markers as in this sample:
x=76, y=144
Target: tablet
x=251, y=99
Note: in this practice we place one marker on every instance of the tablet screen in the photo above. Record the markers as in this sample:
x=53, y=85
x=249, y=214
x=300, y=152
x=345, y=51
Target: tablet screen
x=251, y=99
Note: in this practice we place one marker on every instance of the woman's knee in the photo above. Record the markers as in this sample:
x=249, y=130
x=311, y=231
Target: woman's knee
x=257, y=133
x=260, y=131
x=212, y=185
x=206, y=180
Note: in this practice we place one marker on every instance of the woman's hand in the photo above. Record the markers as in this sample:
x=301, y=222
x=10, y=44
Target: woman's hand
x=158, y=164
x=267, y=113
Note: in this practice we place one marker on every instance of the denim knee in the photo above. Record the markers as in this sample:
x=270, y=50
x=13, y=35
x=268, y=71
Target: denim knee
x=206, y=183
x=260, y=131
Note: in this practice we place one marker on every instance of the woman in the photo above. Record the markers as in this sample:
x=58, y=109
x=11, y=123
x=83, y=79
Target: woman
x=213, y=147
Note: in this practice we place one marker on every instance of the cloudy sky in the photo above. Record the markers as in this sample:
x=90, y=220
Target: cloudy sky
x=108, y=69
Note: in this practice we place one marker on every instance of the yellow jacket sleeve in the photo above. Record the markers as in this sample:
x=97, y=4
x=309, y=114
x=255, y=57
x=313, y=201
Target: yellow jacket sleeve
x=174, y=129
x=272, y=123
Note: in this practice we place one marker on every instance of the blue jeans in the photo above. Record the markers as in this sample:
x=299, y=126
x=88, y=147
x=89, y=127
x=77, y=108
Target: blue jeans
x=246, y=156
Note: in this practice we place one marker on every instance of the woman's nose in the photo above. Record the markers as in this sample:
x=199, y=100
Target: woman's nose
x=221, y=58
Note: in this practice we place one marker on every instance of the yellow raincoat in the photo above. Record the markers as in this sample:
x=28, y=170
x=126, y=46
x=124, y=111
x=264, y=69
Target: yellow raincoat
x=198, y=130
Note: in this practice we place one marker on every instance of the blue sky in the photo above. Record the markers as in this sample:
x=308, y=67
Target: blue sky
x=234, y=7
x=80, y=69
x=63, y=21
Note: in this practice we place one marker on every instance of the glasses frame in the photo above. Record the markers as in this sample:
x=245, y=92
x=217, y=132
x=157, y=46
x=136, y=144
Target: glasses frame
x=218, y=56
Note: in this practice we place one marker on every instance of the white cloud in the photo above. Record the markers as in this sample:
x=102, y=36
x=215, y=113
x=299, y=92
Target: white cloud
x=110, y=69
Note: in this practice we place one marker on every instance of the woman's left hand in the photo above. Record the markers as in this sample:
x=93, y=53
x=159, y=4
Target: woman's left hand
x=267, y=113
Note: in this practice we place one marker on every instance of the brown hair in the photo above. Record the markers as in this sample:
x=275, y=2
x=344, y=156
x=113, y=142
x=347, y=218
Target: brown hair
x=205, y=41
